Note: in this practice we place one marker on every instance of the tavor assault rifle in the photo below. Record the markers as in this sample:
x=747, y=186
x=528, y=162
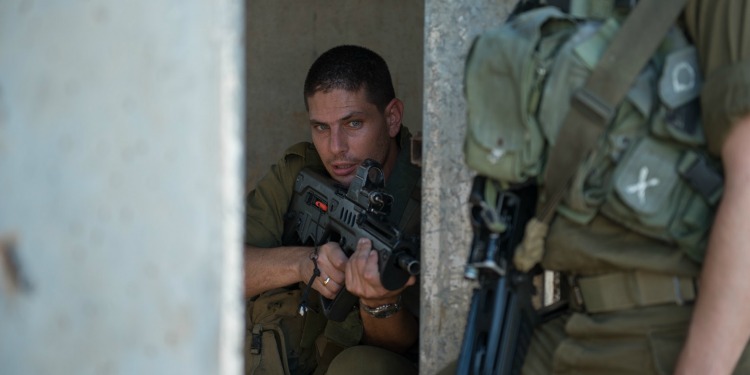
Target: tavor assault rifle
x=501, y=317
x=323, y=210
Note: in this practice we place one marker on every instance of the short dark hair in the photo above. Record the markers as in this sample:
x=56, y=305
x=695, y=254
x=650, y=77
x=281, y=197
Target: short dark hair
x=351, y=68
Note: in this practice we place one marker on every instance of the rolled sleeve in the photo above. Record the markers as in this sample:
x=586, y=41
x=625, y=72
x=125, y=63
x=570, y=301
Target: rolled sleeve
x=724, y=100
x=721, y=33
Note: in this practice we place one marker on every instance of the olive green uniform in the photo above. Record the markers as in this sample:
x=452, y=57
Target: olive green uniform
x=306, y=339
x=633, y=329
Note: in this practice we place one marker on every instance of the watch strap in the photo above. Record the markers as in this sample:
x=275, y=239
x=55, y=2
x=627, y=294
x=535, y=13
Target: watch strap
x=383, y=311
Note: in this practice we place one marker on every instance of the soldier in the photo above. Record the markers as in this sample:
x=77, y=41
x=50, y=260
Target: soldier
x=650, y=233
x=354, y=115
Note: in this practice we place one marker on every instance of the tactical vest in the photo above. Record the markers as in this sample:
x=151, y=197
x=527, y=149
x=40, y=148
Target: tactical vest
x=650, y=172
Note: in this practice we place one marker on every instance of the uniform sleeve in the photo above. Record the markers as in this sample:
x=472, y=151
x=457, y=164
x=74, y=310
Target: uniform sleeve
x=266, y=205
x=722, y=37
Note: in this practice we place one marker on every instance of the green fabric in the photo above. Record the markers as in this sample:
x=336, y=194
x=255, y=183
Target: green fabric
x=722, y=35
x=626, y=290
x=646, y=340
x=272, y=323
x=503, y=72
x=266, y=205
x=520, y=80
x=265, y=208
x=601, y=245
x=606, y=225
x=370, y=360
x=638, y=341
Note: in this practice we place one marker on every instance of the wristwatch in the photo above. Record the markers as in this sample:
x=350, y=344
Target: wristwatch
x=383, y=311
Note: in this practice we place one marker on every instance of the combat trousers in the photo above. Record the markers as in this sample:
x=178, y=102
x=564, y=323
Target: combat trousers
x=370, y=360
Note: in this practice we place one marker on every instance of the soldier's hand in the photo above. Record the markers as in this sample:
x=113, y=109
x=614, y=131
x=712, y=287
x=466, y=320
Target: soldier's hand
x=332, y=265
x=363, y=277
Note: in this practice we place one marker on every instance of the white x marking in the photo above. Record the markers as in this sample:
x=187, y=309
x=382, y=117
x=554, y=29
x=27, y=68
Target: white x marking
x=643, y=183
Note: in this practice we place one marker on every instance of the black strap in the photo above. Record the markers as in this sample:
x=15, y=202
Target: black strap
x=593, y=105
x=316, y=273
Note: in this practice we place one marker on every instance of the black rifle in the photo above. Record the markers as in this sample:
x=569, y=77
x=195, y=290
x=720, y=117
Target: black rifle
x=501, y=317
x=323, y=210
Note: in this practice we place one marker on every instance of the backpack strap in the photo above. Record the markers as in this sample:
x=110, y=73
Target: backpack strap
x=593, y=106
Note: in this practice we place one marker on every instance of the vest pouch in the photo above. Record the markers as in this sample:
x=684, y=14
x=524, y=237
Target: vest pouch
x=274, y=341
x=679, y=114
x=504, y=73
x=265, y=351
x=574, y=61
x=649, y=172
x=646, y=171
x=650, y=197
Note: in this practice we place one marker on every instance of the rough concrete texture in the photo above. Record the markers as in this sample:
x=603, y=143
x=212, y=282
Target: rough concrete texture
x=120, y=187
x=450, y=26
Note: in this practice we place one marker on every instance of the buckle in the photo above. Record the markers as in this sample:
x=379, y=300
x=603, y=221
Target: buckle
x=702, y=177
x=256, y=342
x=579, y=304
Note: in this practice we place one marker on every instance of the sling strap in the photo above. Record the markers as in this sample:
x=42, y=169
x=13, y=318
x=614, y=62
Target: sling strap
x=593, y=105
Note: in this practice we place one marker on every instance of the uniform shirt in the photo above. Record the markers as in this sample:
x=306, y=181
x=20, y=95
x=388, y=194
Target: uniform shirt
x=268, y=202
x=266, y=205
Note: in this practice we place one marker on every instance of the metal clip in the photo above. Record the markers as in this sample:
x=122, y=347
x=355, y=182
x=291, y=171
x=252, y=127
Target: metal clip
x=256, y=342
x=678, y=291
x=576, y=291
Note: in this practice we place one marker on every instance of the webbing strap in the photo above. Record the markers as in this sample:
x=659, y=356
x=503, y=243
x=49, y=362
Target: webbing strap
x=593, y=105
x=627, y=290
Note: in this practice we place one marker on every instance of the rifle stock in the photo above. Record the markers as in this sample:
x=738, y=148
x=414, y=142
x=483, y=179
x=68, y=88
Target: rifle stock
x=323, y=211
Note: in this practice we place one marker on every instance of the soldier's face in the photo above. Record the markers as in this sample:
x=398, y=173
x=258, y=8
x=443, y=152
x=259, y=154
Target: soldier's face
x=347, y=129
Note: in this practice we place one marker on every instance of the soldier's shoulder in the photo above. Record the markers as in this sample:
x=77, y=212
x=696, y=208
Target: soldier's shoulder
x=301, y=154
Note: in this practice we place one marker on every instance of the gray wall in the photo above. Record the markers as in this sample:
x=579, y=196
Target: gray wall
x=450, y=26
x=121, y=187
x=120, y=167
x=283, y=39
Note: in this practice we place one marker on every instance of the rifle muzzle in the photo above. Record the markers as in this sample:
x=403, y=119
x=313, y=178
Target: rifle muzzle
x=409, y=264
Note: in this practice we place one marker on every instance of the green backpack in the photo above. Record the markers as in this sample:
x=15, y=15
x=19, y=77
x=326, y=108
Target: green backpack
x=647, y=169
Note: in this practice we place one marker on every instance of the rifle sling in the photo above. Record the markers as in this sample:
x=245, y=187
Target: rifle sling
x=593, y=106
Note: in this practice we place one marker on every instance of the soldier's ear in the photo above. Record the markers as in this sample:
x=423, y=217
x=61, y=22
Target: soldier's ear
x=394, y=112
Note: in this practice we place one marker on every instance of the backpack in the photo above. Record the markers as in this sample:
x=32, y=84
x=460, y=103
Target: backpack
x=647, y=168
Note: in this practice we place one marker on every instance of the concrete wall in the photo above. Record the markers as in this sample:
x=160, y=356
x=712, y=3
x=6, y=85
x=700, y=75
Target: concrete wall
x=120, y=165
x=284, y=37
x=120, y=187
x=450, y=26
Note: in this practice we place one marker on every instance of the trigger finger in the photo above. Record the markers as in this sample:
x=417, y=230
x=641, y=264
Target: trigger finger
x=364, y=244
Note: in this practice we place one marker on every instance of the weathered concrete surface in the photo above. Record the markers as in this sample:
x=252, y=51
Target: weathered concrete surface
x=120, y=182
x=450, y=26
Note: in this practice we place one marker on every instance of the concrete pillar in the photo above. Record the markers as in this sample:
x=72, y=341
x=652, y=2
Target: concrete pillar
x=450, y=27
x=121, y=187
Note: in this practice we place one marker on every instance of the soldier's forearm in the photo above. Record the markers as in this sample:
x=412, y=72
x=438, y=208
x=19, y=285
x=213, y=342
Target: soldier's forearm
x=269, y=268
x=720, y=326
